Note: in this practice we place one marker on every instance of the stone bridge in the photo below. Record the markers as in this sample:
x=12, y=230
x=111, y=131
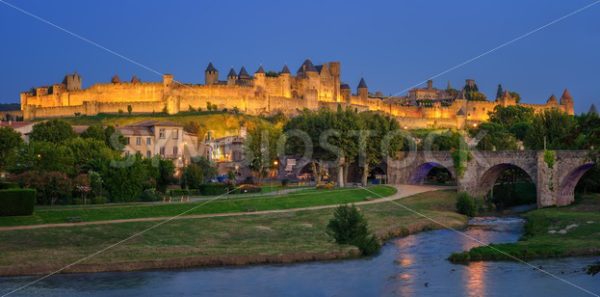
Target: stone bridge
x=555, y=185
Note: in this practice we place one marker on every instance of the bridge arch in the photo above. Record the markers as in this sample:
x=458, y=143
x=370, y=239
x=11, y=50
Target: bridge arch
x=569, y=182
x=489, y=177
x=419, y=174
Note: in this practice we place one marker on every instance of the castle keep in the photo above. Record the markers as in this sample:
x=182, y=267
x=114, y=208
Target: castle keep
x=312, y=87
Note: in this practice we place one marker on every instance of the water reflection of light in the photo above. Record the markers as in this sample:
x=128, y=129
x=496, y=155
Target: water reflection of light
x=475, y=275
x=405, y=258
x=476, y=237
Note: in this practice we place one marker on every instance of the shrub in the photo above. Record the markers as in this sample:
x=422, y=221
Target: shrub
x=183, y=192
x=8, y=185
x=285, y=182
x=348, y=226
x=17, y=202
x=465, y=204
x=150, y=195
x=214, y=189
x=326, y=186
x=99, y=200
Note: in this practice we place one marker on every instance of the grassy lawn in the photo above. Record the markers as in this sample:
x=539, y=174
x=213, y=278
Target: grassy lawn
x=302, y=198
x=212, y=239
x=550, y=232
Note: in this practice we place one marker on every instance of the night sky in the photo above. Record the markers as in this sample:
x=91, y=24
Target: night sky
x=393, y=44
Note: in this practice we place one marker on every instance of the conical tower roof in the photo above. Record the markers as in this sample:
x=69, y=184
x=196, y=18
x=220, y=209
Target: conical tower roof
x=285, y=69
x=344, y=86
x=210, y=68
x=307, y=66
x=593, y=109
x=232, y=73
x=566, y=96
x=461, y=112
x=243, y=73
x=260, y=70
x=552, y=100
x=362, y=84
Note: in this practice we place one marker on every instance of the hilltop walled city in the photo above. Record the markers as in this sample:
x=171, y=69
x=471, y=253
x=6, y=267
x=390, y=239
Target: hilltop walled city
x=266, y=92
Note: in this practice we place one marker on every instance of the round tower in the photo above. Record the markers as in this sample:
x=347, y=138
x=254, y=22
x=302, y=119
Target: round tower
x=259, y=78
x=231, y=77
x=286, y=82
x=211, y=75
x=363, y=90
x=566, y=101
x=346, y=93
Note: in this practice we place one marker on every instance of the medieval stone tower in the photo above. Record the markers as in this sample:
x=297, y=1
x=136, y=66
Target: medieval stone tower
x=211, y=75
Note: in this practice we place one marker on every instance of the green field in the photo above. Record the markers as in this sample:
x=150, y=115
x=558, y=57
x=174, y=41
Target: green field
x=278, y=237
x=550, y=232
x=302, y=198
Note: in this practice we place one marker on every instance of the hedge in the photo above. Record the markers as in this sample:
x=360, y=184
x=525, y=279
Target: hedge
x=215, y=189
x=8, y=185
x=17, y=202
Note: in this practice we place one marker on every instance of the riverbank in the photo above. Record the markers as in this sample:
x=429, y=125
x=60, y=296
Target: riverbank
x=236, y=240
x=549, y=233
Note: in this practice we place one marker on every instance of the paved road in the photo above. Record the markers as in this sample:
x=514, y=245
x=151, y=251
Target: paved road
x=403, y=191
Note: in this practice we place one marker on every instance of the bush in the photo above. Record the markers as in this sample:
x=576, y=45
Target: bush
x=465, y=204
x=285, y=182
x=17, y=202
x=183, y=192
x=214, y=189
x=150, y=195
x=99, y=200
x=8, y=185
x=348, y=226
x=326, y=186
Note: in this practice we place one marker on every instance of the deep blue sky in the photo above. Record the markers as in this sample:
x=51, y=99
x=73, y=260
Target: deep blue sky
x=393, y=44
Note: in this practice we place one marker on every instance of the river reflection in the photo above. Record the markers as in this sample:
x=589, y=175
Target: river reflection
x=412, y=266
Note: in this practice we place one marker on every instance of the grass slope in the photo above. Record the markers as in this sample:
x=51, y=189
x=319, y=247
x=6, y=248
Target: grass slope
x=543, y=236
x=212, y=241
x=220, y=123
x=303, y=198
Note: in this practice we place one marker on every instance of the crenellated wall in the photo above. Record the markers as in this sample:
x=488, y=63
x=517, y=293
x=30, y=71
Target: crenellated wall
x=313, y=87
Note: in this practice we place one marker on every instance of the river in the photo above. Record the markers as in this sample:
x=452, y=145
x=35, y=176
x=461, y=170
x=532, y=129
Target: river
x=415, y=265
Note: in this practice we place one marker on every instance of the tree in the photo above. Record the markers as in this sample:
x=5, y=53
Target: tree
x=54, y=131
x=381, y=129
x=129, y=109
x=516, y=96
x=166, y=170
x=554, y=128
x=260, y=148
x=127, y=182
x=10, y=140
x=199, y=172
x=114, y=139
x=51, y=187
x=94, y=132
x=496, y=137
x=348, y=226
x=43, y=156
x=499, y=92
x=508, y=116
x=90, y=153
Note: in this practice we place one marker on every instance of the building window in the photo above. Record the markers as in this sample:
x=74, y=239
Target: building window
x=161, y=133
x=162, y=151
x=138, y=141
x=175, y=150
x=148, y=154
x=127, y=140
x=175, y=133
x=148, y=141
